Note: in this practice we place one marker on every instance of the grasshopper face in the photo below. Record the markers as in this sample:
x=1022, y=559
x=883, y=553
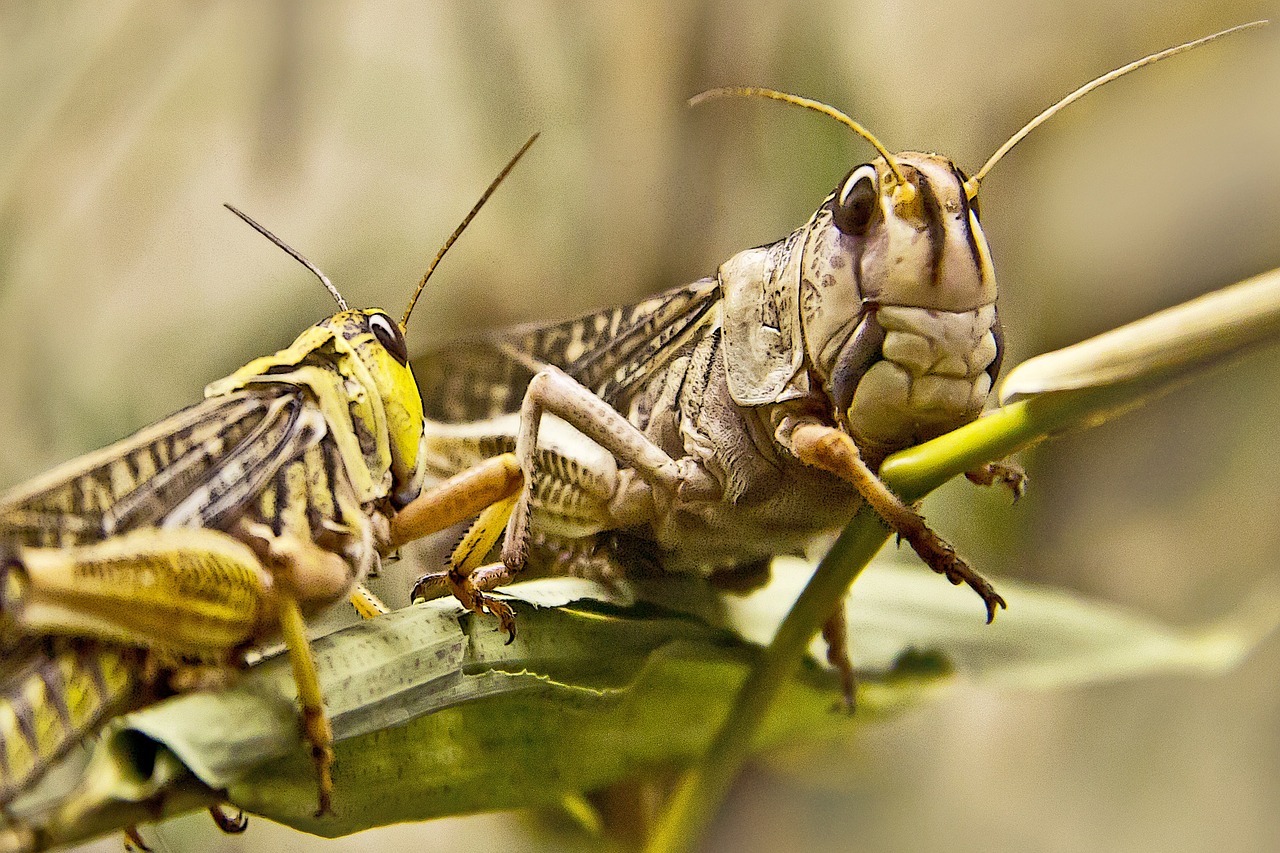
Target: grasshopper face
x=917, y=355
x=379, y=344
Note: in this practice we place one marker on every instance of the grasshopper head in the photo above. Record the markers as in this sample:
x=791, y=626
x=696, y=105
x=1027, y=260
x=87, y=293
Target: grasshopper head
x=379, y=343
x=897, y=300
x=917, y=245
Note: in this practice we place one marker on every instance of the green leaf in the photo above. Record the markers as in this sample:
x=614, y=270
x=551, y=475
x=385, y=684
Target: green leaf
x=435, y=716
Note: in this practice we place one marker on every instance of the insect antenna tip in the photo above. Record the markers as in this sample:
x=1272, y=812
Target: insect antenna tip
x=293, y=253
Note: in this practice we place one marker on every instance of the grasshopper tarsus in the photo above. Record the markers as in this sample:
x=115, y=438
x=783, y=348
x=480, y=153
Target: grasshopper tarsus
x=1007, y=474
x=470, y=591
x=133, y=840
x=322, y=756
x=231, y=824
x=943, y=559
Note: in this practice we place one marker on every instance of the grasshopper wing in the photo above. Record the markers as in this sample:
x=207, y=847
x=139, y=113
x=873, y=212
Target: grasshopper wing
x=195, y=467
x=612, y=352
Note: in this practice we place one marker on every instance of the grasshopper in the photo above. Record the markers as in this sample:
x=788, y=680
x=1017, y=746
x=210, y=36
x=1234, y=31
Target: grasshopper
x=718, y=424
x=138, y=569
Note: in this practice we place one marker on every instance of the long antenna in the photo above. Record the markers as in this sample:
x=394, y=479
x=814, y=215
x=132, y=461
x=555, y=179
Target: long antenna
x=506, y=170
x=324, y=279
x=807, y=103
x=971, y=186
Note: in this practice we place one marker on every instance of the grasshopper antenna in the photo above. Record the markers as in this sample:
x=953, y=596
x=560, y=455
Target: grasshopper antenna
x=466, y=220
x=297, y=256
x=809, y=104
x=971, y=185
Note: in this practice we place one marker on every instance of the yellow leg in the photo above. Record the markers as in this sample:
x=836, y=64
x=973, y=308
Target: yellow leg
x=466, y=578
x=315, y=724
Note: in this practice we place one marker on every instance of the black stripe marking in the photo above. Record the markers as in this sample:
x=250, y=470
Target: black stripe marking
x=328, y=454
x=26, y=723
x=282, y=495
x=131, y=465
x=970, y=237
x=937, y=229
x=55, y=691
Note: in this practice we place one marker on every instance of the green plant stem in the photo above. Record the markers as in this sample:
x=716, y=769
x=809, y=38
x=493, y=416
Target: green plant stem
x=911, y=473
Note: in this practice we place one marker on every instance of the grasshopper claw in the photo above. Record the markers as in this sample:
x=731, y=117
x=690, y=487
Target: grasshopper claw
x=231, y=824
x=1007, y=474
x=470, y=591
x=943, y=559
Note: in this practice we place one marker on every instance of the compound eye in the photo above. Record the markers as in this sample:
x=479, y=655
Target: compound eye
x=387, y=331
x=857, y=202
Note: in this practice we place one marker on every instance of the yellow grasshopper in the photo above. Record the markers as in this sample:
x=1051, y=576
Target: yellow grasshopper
x=127, y=573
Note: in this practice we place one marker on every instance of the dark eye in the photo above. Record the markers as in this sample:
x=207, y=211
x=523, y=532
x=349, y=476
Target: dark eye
x=856, y=203
x=388, y=334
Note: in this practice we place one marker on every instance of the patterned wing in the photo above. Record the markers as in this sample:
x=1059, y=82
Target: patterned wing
x=612, y=352
x=197, y=466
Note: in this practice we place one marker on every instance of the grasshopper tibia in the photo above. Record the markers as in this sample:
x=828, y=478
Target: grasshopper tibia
x=835, y=633
x=465, y=579
x=834, y=451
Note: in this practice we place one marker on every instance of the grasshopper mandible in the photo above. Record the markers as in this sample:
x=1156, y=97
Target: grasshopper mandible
x=127, y=572
x=721, y=423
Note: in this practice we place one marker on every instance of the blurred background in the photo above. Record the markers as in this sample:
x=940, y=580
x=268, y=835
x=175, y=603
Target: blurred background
x=362, y=132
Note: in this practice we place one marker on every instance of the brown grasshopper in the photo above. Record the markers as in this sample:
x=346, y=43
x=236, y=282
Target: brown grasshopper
x=721, y=423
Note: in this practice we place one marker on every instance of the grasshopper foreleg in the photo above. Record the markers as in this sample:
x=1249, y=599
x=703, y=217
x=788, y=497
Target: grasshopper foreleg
x=834, y=451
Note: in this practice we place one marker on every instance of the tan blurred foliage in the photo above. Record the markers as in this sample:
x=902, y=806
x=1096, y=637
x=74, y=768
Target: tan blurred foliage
x=362, y=132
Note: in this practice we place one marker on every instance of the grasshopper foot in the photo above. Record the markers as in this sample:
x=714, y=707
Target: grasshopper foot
x=1007, y=474
x=133, y=840
x=470, y=590
x=231, y=824
x=943, y=559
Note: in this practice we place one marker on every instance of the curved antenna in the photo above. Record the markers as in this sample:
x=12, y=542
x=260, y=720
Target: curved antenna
x=324, y=279
x=809, y=104
x=971, y=186
x=466, y=220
